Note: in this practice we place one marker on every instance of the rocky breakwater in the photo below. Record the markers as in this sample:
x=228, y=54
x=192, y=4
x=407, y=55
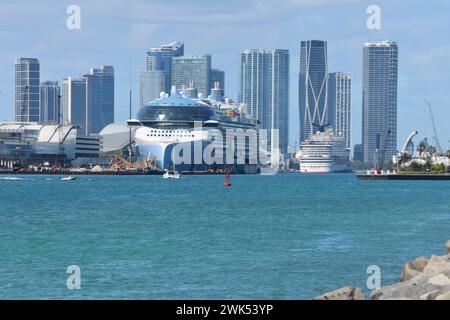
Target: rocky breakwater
x=422, y=279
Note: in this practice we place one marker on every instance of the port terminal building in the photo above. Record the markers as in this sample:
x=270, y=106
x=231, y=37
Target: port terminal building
x=23, y=144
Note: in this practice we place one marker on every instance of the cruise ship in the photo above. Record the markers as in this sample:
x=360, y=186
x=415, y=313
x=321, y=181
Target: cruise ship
x=324, y=152
x=174, y=119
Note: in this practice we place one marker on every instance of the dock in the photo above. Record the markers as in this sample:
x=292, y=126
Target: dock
x=370, y=175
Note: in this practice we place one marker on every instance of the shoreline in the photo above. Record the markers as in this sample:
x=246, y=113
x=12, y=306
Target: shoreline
x=422, y=279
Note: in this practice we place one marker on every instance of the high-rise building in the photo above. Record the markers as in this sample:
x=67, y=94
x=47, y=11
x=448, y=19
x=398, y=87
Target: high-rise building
x=313, y=87
x=186, y=69
x=160, y=59
x=99, y=98
x=73, y=102
x=218, y=76
x=264, y=89
x=50, y=102
x=27, y=90
x=152, y=83
x=358, y=154
x=340, y=104
x=379, y=120
x=88, y=102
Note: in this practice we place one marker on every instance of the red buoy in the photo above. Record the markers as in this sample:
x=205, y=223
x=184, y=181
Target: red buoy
x=227, y=182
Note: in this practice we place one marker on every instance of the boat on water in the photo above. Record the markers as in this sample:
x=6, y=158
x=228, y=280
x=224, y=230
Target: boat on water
x=174, y=120
x=324, y=152
x=68, y=178
x=171, y=174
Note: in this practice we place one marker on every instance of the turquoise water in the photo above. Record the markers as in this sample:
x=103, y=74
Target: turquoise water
x=267, y=237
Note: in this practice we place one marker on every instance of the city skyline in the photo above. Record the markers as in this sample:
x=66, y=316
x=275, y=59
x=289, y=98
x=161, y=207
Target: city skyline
x=422, y=71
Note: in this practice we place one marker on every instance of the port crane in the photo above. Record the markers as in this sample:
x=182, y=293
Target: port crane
x=433, y=123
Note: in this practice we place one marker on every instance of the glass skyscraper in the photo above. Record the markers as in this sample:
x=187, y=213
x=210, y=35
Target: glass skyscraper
x=313, y=87
x=379, y=120
x=50, y=102
x=152, y=84
x=27, y=90
x=264, y=89
x=73, y=102
x=88, y=102
x=340, y=104
x=196, y=69
x=160, y=59
x=99, y=98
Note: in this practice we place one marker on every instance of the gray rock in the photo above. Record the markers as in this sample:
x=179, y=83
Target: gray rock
x=430, y=295
x=347, y=293
x=437, y=265
x=447, y=248
x=413, y=269
x=444, y=296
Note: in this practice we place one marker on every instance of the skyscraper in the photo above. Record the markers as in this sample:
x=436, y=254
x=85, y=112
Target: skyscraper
x=160, y=59
x=50, y=102
x=264, y=88
x=27, y=90
x=152, y=83
x=99, y=98
x=379, y=120
x=73, y=102
x=88, y=101
x=218, y=76
x=340, y=104
x=313, y=87
x=192, y=68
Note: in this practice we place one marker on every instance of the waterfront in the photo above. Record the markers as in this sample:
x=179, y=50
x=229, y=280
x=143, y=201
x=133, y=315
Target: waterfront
x=287, y=236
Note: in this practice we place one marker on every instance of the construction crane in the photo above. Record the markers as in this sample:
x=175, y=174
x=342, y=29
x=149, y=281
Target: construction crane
x=433, y=123
x=381, y=155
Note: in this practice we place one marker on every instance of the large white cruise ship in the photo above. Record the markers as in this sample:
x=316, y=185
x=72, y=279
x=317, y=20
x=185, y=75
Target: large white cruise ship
x=324, y=152
x=171, y=120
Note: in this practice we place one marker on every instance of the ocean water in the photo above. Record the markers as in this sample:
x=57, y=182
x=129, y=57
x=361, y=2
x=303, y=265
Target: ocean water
x=287, y=236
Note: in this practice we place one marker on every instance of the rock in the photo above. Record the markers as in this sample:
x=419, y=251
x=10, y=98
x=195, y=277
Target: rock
x=439, y=280
x=444, y=296
x=413, y=269
x=437, y=265
x=408, y=272
x=347, y=293
x=430, y=295
x=447, y=248
x=414, y=288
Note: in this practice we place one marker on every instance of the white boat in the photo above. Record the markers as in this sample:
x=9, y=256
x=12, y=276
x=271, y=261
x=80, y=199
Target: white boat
x=171, y=175
x=68, y=178
x=324, y=152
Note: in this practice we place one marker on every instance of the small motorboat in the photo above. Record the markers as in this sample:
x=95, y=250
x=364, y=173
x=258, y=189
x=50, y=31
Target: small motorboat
x=171, y=175
x=68, y=178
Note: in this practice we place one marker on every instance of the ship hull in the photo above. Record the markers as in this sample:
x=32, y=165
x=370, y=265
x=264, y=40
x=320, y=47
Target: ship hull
x=324, y=167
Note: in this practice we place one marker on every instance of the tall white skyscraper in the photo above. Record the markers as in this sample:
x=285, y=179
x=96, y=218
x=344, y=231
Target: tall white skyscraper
x=379, y=120
x=27, y=90
x=340, y=104
x=264, y=88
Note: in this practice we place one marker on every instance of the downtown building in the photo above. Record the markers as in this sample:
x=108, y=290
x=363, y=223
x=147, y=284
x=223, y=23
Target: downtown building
x=88, y=101
x=340, y=105
x=313, y=88
x=158, y=76
x=264, y=89
x=379, y=114
x=192, y=71
x=50, y=102
x=27, y=90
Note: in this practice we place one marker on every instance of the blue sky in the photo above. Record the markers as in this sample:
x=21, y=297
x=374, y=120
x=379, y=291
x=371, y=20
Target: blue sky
x=119, y=32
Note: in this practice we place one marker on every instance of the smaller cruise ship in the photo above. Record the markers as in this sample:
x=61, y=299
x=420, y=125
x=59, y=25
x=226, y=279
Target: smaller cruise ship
x=324, y=152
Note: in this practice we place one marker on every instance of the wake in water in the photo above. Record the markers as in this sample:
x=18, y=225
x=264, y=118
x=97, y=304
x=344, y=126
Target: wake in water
x=11, y=178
